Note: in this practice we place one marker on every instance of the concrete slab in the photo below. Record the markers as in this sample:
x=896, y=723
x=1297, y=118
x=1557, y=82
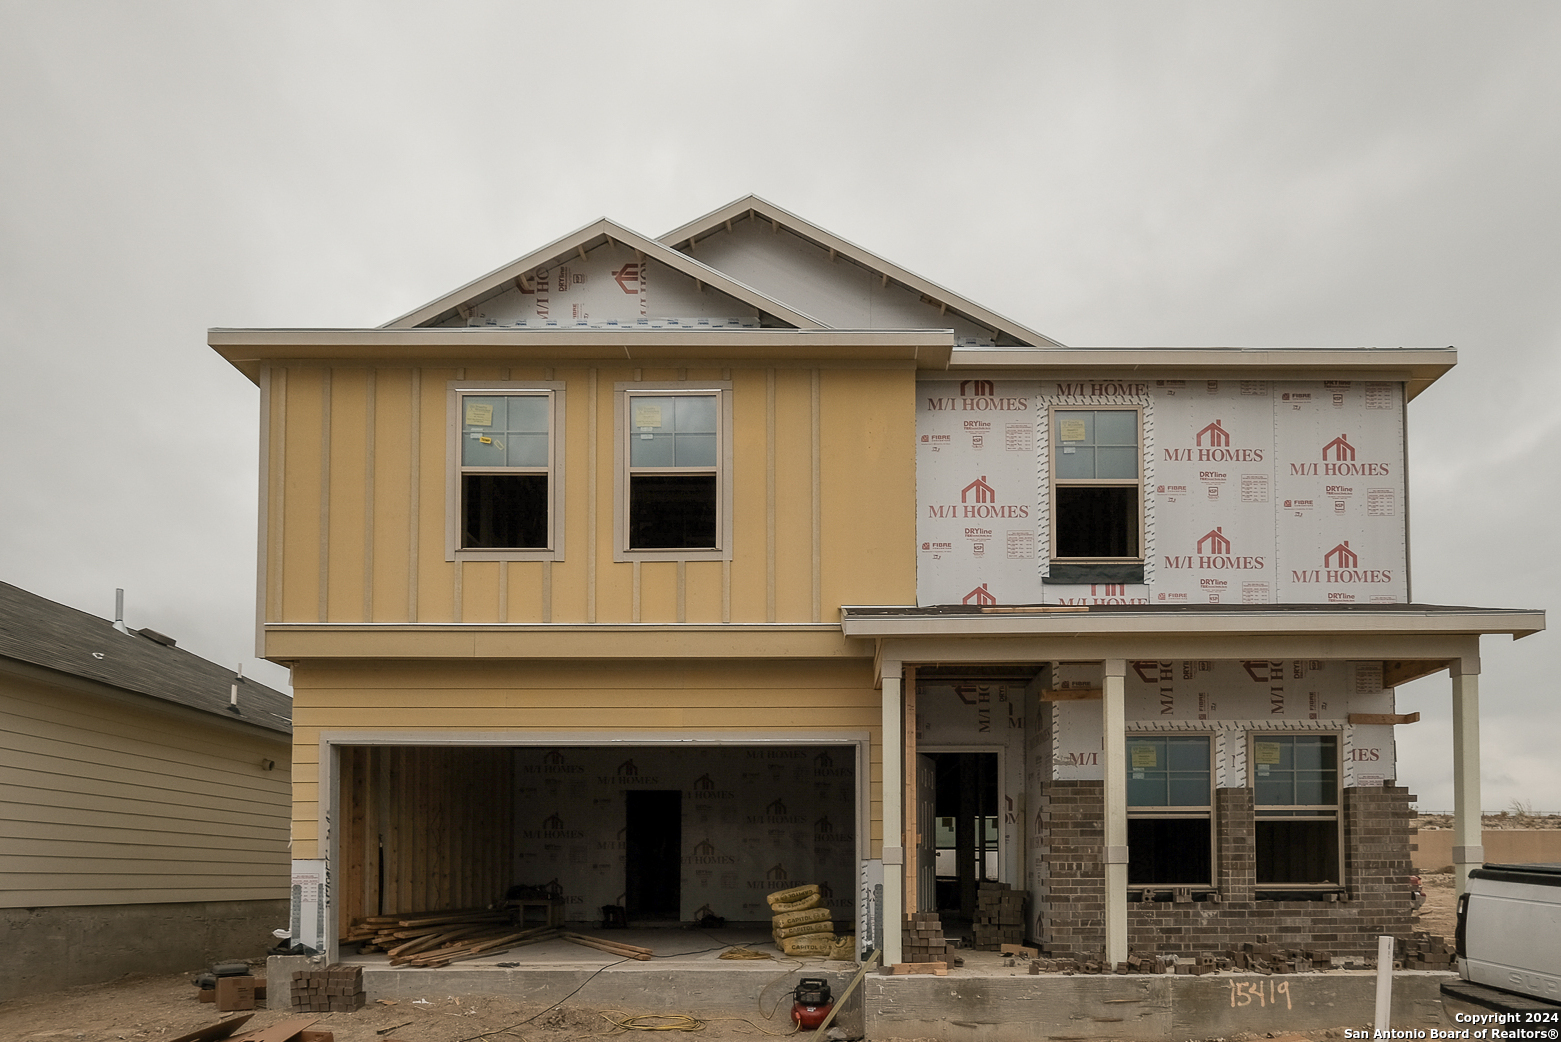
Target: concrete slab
x=1018, y=1007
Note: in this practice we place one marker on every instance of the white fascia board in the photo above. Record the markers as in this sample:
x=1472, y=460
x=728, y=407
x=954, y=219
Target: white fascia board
x=247, y=349
x=1418, y=367
x=1517, y=622
x=679, y=237
x=498, y=280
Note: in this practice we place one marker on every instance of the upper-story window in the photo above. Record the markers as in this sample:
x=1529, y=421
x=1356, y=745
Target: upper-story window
x=505, y=488
x=1096, y=485
x=675, y=480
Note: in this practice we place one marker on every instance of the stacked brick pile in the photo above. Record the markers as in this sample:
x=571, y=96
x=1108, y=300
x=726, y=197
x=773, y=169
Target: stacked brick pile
x=335, y=989
x=923, y=940
x=999, y=916
x=1424, y=952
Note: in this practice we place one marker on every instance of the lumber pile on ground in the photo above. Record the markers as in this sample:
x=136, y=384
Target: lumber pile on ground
x=431, y=939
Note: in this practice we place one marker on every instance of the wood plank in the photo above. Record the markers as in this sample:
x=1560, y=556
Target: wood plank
x=1070, y=694
x=1384, y=718
x=1402, y=671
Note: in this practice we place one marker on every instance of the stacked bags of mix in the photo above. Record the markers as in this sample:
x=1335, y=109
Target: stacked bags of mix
x=800, y=924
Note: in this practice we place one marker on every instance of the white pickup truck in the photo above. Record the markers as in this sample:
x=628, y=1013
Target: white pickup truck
x=1508, y=942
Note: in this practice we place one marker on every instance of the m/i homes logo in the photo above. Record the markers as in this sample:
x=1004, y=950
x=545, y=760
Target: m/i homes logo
x=1338, y=461
x=1214, y=552
x=978, y=499
x=1212, y=445
x=1341, y=565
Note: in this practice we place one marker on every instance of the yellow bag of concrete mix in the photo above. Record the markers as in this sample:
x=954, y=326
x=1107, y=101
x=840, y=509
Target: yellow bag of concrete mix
x=806, y=915
x=791, y=896
x=809, y=944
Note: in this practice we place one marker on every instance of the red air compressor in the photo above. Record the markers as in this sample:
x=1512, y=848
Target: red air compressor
x=812, y=1003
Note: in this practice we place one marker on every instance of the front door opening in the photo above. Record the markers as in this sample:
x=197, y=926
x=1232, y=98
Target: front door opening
x=965, y=829
x=653, y=849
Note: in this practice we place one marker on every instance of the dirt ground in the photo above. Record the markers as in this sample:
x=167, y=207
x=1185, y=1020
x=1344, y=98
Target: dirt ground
x=145, y=1009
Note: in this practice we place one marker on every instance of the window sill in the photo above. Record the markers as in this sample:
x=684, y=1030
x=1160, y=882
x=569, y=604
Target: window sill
x=627, y=556
x=1094, y=574
x=505, y=555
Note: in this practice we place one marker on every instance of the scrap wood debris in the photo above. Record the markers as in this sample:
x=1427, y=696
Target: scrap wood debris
x=432, y=939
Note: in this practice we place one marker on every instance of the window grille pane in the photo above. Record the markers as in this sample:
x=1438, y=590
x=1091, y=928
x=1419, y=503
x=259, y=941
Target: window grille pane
x=1116, y=427
x=1075, y=461
x=693, y=450
x=696, y=414
x=527, y=414
x=1116, y=462
x=650, y=449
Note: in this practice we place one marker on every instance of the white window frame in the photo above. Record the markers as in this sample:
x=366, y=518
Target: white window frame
x=1055, y=482
x=1181, y=812
x=455, y=390
x=1319, y=812
x=721, y=390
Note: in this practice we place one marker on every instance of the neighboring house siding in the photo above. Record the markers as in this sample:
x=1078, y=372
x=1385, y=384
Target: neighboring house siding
x=357, y=481
x=113, y=804
x=533, y=698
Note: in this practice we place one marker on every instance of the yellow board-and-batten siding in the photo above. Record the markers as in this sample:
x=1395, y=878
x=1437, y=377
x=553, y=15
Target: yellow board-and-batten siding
x=109, y=804
x=823, y=514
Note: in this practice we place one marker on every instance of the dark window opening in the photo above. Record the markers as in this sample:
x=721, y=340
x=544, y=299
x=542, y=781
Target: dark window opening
x=672, y=512
x=1097, y=521
x=1169, y=852
x=1297, y=852
x=504, y=511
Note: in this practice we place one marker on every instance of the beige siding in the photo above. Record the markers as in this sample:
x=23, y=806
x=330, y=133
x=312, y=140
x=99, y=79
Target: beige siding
x=531, y=699
x=109, y=803
x=383, y=543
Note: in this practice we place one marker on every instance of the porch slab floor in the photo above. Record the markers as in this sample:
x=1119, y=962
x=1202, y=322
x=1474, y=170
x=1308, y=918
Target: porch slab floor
x=981, y=1001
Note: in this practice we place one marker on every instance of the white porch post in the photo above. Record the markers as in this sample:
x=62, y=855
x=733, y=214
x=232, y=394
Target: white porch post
x=893, y=787
x=1113, y=725
x=1468, y=843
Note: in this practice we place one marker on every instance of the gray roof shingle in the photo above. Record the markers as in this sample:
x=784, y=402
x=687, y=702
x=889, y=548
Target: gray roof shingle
x=45, y=633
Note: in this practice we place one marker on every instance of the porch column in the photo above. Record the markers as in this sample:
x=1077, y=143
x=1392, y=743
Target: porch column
x=893, y=788
x=1468, y=842
x=1113, y=727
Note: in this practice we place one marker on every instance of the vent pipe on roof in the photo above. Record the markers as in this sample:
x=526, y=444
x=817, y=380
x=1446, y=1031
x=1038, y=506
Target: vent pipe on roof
x=238, y=678
x=119, y=612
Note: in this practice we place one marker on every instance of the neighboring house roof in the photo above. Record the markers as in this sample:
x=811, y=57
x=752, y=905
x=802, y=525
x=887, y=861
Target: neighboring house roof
x=581, y=242
x=1005, y=331
x=44, y=633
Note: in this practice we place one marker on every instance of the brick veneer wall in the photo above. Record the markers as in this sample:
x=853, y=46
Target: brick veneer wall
x=1375, y=901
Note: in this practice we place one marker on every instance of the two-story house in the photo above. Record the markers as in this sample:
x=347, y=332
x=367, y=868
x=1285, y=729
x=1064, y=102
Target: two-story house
x=674, y=571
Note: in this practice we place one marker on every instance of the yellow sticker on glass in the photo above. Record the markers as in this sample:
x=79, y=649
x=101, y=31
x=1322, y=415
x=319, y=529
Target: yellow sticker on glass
x=1265, y=752
x=1071, y=430
x=647, y=414
x=1143, y=756
x=479, y=414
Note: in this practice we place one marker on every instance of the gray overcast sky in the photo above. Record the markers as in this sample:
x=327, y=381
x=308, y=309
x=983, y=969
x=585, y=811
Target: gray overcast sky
x=1301, y=174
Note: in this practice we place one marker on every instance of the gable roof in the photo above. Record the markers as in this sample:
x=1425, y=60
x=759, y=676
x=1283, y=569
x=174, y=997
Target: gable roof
x=501, y=280
x=1005, y=331
x=45, y=633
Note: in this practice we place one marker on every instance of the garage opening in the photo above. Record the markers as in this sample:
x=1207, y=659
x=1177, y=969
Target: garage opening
x=647, y=835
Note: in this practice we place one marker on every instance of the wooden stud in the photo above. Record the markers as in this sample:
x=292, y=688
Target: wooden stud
x=1384, y=718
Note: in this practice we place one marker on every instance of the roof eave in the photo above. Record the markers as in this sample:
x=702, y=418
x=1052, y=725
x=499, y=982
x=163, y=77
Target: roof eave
x=873, y=623
x=1417, y=367
x=248, y=350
